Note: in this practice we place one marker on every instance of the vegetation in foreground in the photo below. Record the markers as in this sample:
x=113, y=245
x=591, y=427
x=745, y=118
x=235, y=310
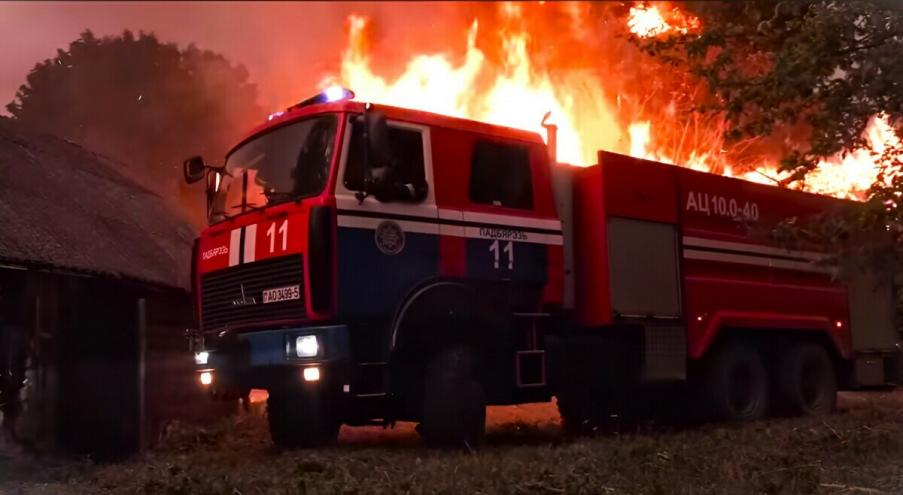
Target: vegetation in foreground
x=857, y=450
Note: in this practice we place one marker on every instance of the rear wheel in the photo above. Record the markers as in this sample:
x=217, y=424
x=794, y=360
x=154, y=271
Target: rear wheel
x=578, y=416
x=734, y=385
x=601, y=410
x=454, y=404
x=806, y=380
x=299, y=419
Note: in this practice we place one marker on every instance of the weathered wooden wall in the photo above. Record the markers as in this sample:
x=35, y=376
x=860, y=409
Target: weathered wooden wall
x=83, y=389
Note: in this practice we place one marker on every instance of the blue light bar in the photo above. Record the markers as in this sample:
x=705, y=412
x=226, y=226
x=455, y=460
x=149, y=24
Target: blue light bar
x=328, y=95
x=336, y=93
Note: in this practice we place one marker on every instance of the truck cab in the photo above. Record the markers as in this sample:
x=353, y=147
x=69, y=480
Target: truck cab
x=367, y=264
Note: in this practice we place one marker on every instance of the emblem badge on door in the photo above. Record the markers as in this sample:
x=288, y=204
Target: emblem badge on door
x=389, y=238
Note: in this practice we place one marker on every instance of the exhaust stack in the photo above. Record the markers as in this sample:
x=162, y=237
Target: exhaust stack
x=551, y=137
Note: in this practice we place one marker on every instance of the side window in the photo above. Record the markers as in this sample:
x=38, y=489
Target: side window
x=500, y=175
x=406, y=147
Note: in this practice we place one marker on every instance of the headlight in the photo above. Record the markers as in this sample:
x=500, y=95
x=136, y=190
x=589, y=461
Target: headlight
x=307, y=346
x=200, y=358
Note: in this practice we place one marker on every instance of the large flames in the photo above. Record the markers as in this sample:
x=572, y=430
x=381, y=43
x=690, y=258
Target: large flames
x=517, y=95
x=647, y=21
x=515, y=78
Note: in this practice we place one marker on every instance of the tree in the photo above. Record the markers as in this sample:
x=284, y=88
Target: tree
x=824, y=68
x=816, y=72
x=145, y=103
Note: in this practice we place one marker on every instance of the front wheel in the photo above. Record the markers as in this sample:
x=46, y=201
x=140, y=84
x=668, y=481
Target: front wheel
x=300, y=419
x=576, y=411
x=454, y=404
x=586, y=410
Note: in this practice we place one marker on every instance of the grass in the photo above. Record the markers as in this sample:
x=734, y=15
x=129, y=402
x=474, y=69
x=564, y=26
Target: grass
x=857, y=450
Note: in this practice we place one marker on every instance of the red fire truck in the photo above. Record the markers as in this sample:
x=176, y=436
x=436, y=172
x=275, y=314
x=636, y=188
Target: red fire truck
x=368, y=264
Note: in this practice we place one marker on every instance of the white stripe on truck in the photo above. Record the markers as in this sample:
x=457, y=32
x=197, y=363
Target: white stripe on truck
x=697, y=248
x=234, y=246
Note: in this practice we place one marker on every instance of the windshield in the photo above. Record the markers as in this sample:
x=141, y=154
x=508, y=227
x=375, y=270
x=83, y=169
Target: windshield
x=287, y=163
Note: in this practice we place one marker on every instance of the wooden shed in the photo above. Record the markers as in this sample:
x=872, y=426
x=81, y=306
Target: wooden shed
x=94, y=272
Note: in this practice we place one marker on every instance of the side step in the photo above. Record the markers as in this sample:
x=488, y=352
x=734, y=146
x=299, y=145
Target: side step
x=371, y=380
x=529, y=358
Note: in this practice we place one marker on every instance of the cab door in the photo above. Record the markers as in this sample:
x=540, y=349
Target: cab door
x=384, y=249
x=506, y=240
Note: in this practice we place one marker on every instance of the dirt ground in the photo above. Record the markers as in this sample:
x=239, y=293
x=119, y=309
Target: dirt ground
x=857, y=450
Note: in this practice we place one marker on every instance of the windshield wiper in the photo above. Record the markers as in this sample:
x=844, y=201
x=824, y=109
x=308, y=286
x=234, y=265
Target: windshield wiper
x=251, y=206
x=273, y=196
x=245, y=208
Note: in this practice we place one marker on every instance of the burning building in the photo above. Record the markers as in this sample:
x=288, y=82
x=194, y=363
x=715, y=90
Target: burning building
x=94, y=270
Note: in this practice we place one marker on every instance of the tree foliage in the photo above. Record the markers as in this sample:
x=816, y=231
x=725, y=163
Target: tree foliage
x=810, y=76
x=823, y=68
x=145, y=103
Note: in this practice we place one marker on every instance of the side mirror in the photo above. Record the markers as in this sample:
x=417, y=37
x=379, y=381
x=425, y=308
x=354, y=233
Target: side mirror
x=377, y=156
x=214, y=179
x=377, y=139
x=194, y=169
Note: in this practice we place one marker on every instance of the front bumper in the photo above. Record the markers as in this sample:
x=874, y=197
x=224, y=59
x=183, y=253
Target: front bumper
x=267, y=359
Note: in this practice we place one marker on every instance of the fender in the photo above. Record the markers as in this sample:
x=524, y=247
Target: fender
x=719, y=320
x=477, y=308
x=415, y=295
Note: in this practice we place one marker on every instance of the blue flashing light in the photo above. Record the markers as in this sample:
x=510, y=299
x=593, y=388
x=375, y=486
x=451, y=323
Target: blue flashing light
x=328, y=95
x=336, y=93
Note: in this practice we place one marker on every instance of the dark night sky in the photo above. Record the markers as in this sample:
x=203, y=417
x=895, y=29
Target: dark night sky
x=287, y=47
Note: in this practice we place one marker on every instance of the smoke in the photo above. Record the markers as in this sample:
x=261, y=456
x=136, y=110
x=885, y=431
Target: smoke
x=287, y=47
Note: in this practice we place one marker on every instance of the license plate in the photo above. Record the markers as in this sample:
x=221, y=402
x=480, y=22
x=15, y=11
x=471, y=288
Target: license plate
x=280, y=294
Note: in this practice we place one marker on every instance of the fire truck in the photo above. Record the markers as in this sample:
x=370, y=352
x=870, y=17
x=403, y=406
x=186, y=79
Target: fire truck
x=367, y=264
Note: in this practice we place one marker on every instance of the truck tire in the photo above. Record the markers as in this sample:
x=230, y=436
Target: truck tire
x=734, y=385
x=576, y=410
x=594, y=411
x=300, y=420
x=454, y=404
x=806, y=380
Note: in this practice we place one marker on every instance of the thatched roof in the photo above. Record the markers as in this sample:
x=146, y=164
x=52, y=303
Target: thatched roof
x=64, y=207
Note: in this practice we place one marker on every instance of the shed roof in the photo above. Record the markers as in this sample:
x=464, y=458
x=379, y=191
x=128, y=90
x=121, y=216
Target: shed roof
x=65, y=207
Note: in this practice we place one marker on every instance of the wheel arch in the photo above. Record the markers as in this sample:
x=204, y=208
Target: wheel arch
x=772, y=342
x=455, y=311
x=772, y=327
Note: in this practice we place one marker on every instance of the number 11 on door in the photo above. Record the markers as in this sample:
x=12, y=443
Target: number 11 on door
x=507, y=250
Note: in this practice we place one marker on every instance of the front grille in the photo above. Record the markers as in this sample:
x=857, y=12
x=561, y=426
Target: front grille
x=221, y=289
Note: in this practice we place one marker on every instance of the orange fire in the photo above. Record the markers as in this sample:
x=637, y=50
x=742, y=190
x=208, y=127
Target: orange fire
x=847, y=175
x=851, y=175
x=646, y=21
x=517, y=78
x=518, y=97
